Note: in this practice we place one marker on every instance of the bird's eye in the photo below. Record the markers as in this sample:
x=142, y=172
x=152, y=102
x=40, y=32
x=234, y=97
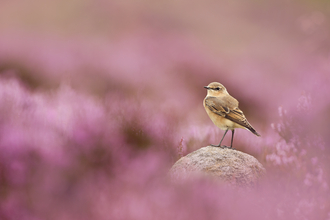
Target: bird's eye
x=218, y=88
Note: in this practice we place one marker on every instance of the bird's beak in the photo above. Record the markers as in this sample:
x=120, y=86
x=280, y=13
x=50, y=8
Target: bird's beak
x=206, y=87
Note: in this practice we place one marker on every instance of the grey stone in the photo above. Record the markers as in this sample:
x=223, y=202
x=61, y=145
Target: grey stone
x=228, y=165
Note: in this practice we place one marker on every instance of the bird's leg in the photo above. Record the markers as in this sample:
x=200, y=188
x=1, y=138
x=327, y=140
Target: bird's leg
x=232, y=138
x=219, y=145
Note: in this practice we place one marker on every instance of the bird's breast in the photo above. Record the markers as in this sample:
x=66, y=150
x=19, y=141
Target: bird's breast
x=220, y=121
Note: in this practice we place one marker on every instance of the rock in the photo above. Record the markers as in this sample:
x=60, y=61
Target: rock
x=232, y=166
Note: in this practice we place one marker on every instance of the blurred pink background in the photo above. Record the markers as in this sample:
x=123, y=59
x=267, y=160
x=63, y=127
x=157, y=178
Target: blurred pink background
x=98, y=99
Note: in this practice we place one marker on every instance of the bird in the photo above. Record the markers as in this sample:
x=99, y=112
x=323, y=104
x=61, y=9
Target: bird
x=223, y=110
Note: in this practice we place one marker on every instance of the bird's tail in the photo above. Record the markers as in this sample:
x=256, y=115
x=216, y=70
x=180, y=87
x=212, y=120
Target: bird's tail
x=253, y=131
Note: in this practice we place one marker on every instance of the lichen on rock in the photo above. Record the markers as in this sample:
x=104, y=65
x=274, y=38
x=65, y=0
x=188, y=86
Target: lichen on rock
x=231, y=166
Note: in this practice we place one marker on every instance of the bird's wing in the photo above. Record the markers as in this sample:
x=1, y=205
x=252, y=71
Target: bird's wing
x=237, y=116
x=215, y=105
x=221, y=108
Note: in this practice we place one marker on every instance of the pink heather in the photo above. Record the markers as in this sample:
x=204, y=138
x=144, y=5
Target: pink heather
x=99, y=99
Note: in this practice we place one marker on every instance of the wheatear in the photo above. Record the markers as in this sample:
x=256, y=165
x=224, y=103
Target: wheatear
x=223, y=110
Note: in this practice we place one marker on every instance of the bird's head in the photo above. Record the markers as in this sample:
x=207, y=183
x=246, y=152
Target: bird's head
x=215, y=89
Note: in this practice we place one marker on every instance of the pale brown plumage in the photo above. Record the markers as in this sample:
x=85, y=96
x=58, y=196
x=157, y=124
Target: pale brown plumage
x=223, y=110
x=229, y=111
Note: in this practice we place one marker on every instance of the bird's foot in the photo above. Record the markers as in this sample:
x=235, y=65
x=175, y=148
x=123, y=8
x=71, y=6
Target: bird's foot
x=223, y=147
x=228, y=147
